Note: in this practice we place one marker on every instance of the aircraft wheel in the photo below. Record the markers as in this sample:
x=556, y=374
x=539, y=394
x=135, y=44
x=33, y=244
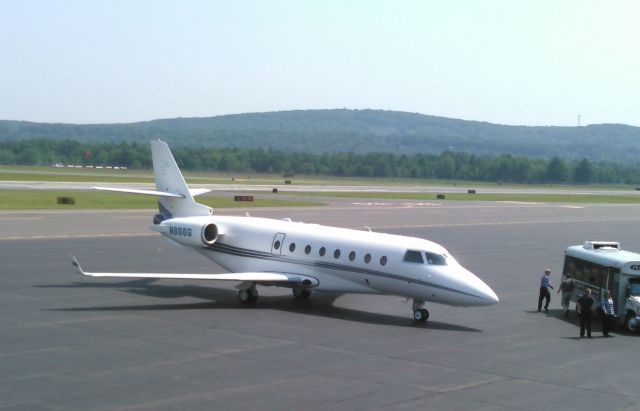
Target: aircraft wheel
x=244, y=296
x=247, y=296
x=425, y=313
x=300, y=293
x=421, y=315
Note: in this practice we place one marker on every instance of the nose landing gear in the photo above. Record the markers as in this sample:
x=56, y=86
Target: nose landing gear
x=420, y=313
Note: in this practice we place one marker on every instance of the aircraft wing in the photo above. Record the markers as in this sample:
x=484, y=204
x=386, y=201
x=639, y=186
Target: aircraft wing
x=258, y=277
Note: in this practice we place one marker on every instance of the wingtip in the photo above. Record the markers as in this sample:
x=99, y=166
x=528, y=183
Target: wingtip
x=76, y=265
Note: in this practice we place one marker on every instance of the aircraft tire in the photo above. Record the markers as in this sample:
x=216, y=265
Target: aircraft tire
x=421, y=315
x=425, y=313
x=248, y=295
x=244, y=296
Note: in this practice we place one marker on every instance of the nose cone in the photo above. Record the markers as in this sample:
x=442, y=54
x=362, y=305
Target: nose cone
x=475, y=291
x=486, y=294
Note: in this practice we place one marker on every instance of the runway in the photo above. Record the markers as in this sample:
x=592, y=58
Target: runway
x=69, y=342
x=326, y=188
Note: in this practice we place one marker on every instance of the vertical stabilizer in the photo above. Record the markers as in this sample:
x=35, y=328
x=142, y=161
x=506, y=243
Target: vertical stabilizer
x=169, y=180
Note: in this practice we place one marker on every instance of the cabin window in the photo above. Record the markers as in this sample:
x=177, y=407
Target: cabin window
x=435, y=259
x=276, y=245
x=336, y=254
x=412, y=256
x=307, y=249
x=322, y=251
x=352, y=256
x=383, y=260
x=292, y=247
x=367, y=258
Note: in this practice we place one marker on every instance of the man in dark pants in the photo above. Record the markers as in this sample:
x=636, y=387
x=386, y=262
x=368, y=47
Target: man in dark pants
x=608, y=313
x=544, y=290
x=586, y=304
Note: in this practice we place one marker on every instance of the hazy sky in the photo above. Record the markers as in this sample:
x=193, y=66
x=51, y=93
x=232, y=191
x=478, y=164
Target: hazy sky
x=523, y=62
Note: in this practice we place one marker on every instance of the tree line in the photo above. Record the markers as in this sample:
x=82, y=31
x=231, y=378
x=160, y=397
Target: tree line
x=357, y=131
x=448, y=164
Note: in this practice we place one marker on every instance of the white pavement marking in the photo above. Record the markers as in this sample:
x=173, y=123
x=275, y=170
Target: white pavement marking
x=419, y=204
x=517, y=202
x=372, y=204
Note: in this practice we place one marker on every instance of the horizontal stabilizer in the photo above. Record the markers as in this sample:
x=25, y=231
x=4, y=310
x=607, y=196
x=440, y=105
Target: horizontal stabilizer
x=197, y=191
x=259, y=277
x=146, y=192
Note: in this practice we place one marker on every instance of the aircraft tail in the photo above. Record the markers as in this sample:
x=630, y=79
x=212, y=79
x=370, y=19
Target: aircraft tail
x=175, y=199
x=169, y=180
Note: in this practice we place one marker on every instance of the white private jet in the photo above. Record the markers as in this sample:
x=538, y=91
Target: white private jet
x=303, y=257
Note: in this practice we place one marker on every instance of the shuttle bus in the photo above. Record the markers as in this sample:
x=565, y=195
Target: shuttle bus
x=603, y=265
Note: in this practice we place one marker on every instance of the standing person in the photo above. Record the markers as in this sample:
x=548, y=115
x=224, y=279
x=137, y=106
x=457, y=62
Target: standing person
x=544, y=290
x=608, y=313
x=566, y=286
x=586, y=304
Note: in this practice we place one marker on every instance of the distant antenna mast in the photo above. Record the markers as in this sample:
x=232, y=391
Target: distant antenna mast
x=578, y=120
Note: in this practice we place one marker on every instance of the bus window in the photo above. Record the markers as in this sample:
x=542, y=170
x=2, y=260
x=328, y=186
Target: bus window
x=634, y=287
x=596, y=276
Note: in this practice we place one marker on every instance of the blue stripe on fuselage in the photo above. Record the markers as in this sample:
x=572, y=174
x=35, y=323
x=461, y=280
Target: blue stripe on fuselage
x=243, y=252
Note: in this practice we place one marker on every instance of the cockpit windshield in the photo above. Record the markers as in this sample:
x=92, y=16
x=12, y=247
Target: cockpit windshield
x=414, y=256
x=436, y=259
x=634, y=289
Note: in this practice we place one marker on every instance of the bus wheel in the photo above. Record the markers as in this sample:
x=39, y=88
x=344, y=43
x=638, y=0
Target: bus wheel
x=632, y=323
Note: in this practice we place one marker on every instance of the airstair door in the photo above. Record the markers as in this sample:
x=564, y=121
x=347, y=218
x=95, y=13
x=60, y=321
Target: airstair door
x=277, y=244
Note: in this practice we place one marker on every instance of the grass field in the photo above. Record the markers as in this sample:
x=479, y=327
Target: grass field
x=47, y=199
x=84, y=199
x=537, y=198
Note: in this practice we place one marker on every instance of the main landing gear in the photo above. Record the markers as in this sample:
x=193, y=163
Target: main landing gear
x=301, y=293
x=420, y=313
x=248, y=295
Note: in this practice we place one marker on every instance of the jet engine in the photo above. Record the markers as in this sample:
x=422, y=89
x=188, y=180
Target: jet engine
x=193, y=232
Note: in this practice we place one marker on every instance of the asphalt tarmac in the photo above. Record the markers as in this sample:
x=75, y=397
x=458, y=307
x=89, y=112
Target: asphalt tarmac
x=70, y=342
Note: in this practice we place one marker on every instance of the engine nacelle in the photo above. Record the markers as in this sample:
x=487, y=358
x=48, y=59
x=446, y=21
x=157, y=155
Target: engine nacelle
x=189, y=232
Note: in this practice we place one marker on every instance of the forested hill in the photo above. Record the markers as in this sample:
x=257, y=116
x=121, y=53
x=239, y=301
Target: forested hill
x=357, y=131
